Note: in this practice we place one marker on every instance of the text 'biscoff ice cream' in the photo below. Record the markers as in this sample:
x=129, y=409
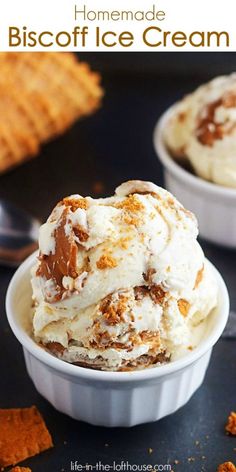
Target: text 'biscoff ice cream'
x=120, y=282
x=202, y=129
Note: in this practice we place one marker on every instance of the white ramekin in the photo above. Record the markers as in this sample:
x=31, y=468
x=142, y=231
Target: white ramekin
x=214, y=205
x=110, y=398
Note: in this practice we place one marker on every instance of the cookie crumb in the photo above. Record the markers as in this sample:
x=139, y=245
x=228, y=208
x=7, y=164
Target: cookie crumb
x=106, y=262
x=231, y=424
x=226, y=467
x=20, y=469
x=23, y=434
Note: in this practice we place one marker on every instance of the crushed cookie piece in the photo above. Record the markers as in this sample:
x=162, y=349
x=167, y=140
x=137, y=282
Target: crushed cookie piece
x=23, y=434
x=226, y=467
x=102, y=340
x=113, y=311
x=123, y=243
x=184, y=306
x=75, y=203
x=130, y=203
x=144, y=360
x=152, y=337
x=231, y=424
x=157, y=294
x=112, y=316
x=106, y=262
x=131, y=220
x=20, y=469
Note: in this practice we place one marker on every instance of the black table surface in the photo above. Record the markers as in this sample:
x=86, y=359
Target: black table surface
x=96, y=155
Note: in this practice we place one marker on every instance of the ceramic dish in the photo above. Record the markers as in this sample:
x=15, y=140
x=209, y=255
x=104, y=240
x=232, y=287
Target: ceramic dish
x=214, y=205
x=110, y=398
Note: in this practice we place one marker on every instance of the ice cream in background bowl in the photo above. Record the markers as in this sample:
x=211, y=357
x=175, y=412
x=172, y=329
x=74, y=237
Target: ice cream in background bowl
x=196, y=142
x=126, y=309
x=202, y=130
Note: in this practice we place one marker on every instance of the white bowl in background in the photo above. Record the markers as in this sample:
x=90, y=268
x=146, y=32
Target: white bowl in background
x=213, y=204
x=110, y=398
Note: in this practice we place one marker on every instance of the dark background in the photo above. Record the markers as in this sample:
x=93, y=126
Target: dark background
x=92, y=158
x=187, y=65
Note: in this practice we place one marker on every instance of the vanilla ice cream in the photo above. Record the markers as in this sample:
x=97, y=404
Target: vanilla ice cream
x=121, y=282
x=202, y=129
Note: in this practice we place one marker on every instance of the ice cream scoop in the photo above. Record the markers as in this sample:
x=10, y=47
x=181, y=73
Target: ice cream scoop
x=120, y=282
x=202, y=129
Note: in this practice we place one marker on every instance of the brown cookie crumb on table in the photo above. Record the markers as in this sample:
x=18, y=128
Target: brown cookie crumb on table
x=226, y=467
x=23, y=434
x=231, y=424
x=20, y=469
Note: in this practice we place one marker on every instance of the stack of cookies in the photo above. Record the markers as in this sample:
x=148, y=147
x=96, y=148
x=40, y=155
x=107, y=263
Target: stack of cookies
x=41, y=95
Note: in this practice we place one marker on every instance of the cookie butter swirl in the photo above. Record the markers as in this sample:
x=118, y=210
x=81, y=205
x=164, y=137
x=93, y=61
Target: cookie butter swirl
x=203, y=130
x=216, y=120
x=121, y=281
x=59, y=265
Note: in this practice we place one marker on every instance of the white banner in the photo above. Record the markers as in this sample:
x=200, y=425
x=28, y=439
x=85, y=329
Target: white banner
x=117, y=25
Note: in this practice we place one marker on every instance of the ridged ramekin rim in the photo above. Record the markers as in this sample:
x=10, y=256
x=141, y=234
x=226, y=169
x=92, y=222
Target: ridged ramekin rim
x=107, y=376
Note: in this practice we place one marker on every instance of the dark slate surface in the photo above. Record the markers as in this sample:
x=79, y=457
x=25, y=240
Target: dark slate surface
x=114, y=145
